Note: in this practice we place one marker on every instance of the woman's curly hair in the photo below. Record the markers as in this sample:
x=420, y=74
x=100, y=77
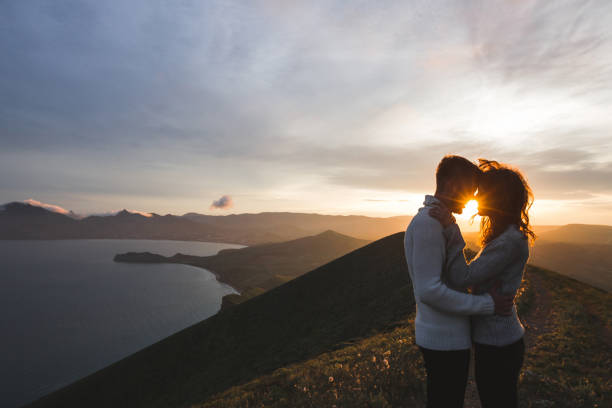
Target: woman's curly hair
x=507, y=197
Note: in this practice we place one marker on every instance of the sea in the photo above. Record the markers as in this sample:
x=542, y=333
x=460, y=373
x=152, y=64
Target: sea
x=67, y=309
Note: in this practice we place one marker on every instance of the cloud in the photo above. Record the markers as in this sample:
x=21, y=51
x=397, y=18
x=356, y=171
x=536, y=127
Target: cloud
x=50, y=207
x=367, y=97
x=559, y=44
x=223, y=203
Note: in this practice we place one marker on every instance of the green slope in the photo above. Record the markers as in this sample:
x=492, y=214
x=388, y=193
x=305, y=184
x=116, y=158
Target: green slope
x=567, y=362
x=352, y=296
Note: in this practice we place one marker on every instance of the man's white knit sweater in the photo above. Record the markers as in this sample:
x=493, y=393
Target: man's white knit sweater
x=443, y=314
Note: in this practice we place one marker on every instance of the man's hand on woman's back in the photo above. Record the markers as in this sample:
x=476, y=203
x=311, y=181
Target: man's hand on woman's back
x=503, y=303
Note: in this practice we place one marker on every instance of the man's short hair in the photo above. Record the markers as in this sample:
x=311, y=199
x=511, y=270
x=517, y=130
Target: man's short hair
x=453, y=167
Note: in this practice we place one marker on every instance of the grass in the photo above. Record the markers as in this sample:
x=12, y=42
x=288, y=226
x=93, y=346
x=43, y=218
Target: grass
x=384, y=370
x=567, y=366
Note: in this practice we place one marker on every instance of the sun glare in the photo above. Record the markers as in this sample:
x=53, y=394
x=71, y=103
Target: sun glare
x=470, y=209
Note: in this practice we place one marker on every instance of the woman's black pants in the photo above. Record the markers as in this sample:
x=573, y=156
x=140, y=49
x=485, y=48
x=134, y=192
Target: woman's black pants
x=497, y=372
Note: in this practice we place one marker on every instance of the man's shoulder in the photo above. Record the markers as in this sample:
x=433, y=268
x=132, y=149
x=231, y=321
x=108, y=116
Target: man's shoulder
x=423, y=221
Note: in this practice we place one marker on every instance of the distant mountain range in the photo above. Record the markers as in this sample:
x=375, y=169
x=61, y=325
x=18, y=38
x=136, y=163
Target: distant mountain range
x=20, y=220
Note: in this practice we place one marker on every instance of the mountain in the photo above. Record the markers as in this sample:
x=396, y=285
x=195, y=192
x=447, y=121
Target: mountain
x=590, y=263
x=25, y=221
x=358, y=294
x=579, y=234
x=293, y=225
x=261, y=267
x=343, y=335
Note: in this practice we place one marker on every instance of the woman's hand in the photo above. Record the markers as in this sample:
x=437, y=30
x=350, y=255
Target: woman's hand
x=443, y=215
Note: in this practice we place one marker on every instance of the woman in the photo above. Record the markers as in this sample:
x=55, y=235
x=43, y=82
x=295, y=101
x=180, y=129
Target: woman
x=504, y=199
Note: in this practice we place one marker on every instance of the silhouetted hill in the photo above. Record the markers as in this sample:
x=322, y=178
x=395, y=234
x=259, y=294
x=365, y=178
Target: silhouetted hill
x=591, y=263
x=25, y=221
x=262, y=267
x=357, y=295
x=567, y=360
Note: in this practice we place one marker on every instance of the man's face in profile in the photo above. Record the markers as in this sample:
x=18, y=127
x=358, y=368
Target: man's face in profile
x=463, y=192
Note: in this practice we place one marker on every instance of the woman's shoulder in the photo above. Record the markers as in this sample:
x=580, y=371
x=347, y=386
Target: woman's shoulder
x=518, y=238
x=512, y=236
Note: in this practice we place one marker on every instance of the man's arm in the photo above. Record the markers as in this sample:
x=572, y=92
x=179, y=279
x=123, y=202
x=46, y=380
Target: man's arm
x=491, y=261
x=428, y=258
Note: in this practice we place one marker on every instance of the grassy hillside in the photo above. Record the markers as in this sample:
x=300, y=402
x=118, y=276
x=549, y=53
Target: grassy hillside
x=353, y=296
x=569, y=352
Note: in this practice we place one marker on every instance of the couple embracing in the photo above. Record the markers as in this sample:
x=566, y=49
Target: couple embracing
x=451, y=319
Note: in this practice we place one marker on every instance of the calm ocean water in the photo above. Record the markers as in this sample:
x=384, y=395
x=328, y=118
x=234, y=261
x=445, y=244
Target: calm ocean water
x=67, y=310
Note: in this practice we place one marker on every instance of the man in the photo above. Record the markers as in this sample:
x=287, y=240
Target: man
x=442, y=324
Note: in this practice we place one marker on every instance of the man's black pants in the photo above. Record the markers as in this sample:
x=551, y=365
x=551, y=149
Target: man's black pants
x=447, y=374
x=497, y=372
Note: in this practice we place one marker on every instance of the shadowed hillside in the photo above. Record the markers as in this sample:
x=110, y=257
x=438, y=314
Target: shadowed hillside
x=568, y=355
x=356, y=295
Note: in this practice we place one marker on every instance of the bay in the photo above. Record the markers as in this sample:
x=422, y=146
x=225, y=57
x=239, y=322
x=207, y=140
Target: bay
x=67, y=309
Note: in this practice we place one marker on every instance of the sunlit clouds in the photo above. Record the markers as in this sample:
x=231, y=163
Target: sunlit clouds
x=313, y=106
x=50, y=207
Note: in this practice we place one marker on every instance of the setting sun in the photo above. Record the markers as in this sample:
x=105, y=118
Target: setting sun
x=470, y=209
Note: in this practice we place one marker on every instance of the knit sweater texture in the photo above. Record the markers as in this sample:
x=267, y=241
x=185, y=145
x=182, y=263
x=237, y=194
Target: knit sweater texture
x=503, y=259
x=443, y=313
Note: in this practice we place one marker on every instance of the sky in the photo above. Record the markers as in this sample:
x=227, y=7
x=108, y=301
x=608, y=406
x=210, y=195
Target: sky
x=333, y=107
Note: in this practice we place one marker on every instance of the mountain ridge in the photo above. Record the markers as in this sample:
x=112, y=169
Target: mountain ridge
x=26, y=221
